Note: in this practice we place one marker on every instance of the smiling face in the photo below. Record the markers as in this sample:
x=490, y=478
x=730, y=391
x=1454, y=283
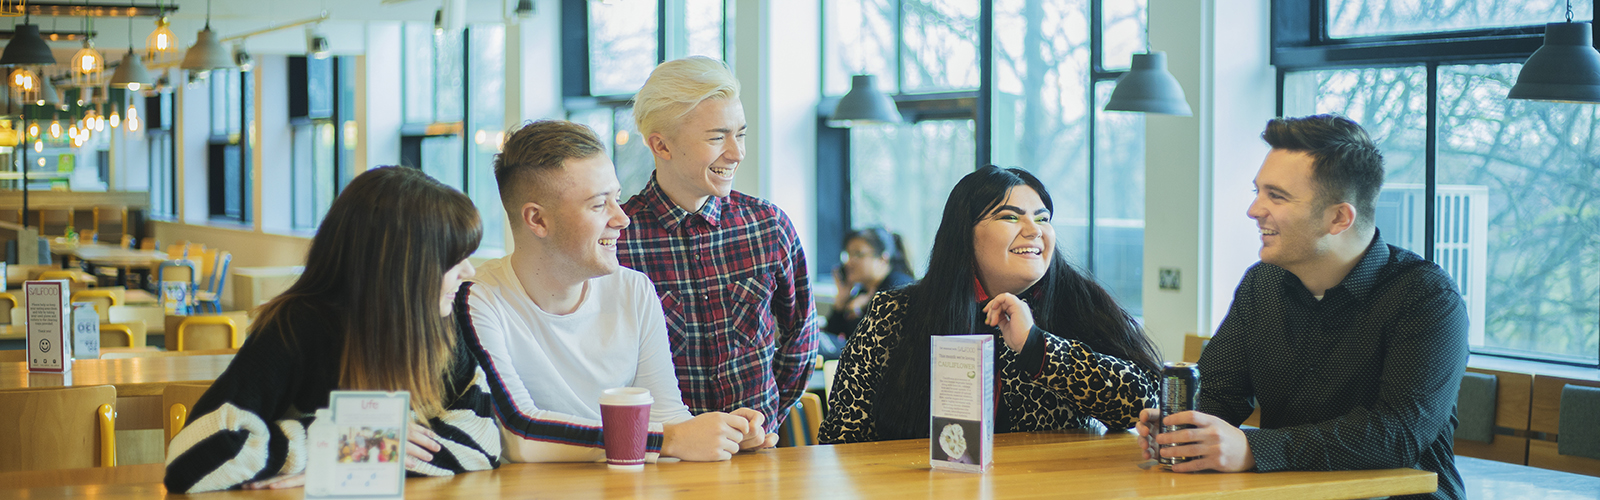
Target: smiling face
x=583, y=216
x=1292, y=222
x=453, y=277
x=697, y=159
x=1014, y=243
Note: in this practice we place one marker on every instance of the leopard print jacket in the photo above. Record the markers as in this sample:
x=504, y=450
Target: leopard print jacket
x=1075, y=385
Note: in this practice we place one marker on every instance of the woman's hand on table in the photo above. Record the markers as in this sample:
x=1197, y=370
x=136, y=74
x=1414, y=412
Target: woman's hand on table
x=421, y=443
x=276, y=483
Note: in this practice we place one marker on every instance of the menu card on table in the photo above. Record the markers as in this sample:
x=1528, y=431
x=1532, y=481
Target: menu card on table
x=357, y=446
x=85, y=331
x=49, y=343
x=961, y=399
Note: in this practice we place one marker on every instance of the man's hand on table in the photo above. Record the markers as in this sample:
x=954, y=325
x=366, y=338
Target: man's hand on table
x=755, y=432
x=1213, y=443
x=707, y=437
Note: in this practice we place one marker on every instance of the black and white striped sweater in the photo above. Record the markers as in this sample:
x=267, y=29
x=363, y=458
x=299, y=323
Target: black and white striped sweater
x=251, y=423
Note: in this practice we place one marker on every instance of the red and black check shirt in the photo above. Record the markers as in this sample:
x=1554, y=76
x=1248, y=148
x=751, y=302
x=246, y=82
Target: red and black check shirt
x=733, y=283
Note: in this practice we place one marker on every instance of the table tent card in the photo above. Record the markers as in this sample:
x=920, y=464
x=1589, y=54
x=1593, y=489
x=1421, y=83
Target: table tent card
x=85, y=331
x=357, y=446
x=961, y=400
x=49, y=340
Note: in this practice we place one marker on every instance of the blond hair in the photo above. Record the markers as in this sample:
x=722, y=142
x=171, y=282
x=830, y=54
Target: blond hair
x=676, y=87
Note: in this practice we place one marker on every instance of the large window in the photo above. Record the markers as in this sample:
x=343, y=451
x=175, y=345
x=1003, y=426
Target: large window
x=322, y=104
x=609, y=50
x=1052, y=67
x=158, y=139
x=454, y=99
x=228, y=150
x=1499, y=193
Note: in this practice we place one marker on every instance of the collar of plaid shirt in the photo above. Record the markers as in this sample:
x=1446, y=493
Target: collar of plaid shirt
x=657, y=202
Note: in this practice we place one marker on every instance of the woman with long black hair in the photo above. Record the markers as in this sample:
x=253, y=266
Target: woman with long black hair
x=1071, y=354
x=371, y=312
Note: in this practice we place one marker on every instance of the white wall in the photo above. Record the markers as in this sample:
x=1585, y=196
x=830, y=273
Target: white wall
x=775, y=57
x=1198, y=169
x=380, y=85
x=273, y=151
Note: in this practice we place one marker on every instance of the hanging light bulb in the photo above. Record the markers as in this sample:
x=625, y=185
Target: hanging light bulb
x=55, y=129
x=33, y=129
x=133, y=124
x=38, y=147
x=87, y=64
x=115, y=118
x=72, y=131
x=24, y=84
x=162, y=44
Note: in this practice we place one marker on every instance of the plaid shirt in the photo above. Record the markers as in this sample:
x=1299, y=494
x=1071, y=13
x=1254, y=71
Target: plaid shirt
x=734, y=287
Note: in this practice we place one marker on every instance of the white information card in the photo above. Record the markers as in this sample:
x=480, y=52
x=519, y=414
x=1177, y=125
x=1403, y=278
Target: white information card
x=961, y=402
x=357, y=446
x=49, y=340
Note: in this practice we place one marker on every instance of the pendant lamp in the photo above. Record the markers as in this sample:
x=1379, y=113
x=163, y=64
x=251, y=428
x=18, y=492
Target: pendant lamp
x=27, y=47
x=130, y=73
x=207, y=53
x=162, y=44
x=87, y=64
x=1565, y=69
x=1147, y=87
x=865, y=104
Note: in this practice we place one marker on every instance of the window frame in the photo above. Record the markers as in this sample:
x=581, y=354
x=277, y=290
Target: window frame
x=834, y=218
x=229, y=142
x=1300, y=43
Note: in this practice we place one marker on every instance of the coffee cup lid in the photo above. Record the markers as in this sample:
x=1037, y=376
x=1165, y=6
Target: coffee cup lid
x=626, y=396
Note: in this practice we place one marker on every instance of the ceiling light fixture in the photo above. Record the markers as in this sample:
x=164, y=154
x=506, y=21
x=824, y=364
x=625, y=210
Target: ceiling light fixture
x=1565, y=69
x=207, y=53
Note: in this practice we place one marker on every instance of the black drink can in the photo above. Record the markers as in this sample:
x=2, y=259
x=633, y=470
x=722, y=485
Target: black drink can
x=1180, y=392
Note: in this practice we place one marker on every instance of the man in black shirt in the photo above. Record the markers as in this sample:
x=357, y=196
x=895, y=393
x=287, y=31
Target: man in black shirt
x=1352, y=348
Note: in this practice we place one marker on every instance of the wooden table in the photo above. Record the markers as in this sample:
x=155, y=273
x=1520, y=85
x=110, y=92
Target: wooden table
x=97, y=254
x=1027, y=465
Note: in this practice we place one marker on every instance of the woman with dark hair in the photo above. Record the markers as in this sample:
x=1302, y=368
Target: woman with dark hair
x=370, y=312
x=874, y=259
x=1071, y=354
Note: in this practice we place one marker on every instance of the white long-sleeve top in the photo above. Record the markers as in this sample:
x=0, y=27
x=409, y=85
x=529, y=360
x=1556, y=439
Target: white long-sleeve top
x=546, y=371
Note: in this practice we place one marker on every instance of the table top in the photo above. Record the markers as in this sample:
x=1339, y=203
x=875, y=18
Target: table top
x=1046, y=464
x=143, y=376
x=109, y=254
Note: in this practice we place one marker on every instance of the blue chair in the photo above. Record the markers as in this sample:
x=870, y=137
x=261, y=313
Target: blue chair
x=212, y=295
x=171, y=271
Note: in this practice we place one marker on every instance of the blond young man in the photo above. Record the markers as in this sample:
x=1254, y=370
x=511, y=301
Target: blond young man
x=728, y=266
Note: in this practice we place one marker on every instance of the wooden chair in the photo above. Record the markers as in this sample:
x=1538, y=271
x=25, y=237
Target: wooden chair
x=102, y=298
x=7, y=303
x=58, y=428
x=178, y=400
x=123, y=334
x=1545, y=427
x=149, y=243
x=1513, y=392
x=206, y=332
x=177, y=249
x=805, y=419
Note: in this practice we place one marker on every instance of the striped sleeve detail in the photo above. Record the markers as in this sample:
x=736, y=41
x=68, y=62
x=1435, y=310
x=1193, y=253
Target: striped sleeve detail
x=217, y=451
x=536, y=425
x=468, y=437
x=295, y=432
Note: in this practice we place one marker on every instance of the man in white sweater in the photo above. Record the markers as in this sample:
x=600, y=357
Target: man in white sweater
x=558, y=321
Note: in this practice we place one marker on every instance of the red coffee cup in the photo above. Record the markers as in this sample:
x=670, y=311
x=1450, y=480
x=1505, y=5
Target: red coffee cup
x=625, y=422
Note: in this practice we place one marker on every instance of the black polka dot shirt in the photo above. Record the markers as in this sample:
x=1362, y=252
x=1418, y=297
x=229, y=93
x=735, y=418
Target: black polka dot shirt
x=1365, y=378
